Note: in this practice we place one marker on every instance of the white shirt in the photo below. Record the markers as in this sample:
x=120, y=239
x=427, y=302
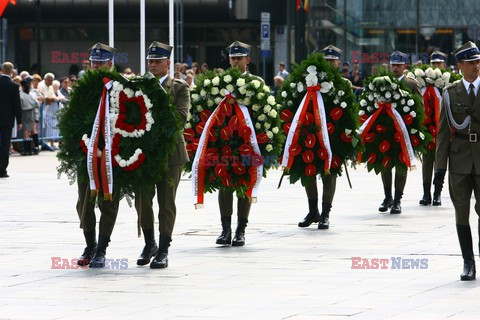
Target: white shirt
x=400, y=79
x=162, y=79
x=476, y=83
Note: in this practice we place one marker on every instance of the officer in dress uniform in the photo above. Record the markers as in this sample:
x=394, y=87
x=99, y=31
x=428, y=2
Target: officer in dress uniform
x=398, y=65
x=458, y=142
x=239, y=56
x=101, y=57
x=438, y=59
x=158, y=58
x=332, y=54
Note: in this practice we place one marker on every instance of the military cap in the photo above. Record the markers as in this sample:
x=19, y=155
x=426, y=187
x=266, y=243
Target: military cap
x=101, y=52
x=159, y=51
x=398, y=57
x=438, y=56
x=467, y=52
x=331, y=52
x=239, y=49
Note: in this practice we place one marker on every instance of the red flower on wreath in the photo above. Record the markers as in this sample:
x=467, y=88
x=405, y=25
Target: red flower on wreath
x=372, y=157
x=370, y=137
x=433, y=130
x=286, y=127
x=308, y=156
x=226, y=151
x=226, y=180
x=346, y=138
x=286, y=115
x=336, y=113
x=226, y=133
x=397, y=137
x=238, y=168
x=363, y=118
x=205, y=115
x=262, y=138
x=330, y=128
x=295, y=149
x=199, y=127
x=414, y=140
x=309, y=118
x=384, y=146
x=226, y=109
x=322, y=153
x=310, y=170
x=220, y=170
x=380, y=128
x=310, y=141
x=431, y=146
x=336, y=162
x=219, y=119
x=234, y=123
x=245, y=149
x=408, y=119
x=189, y=134
x=386, y=161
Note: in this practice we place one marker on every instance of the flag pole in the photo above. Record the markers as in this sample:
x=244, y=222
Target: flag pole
x=171, y=34
x=142, y=36
x=111, y=40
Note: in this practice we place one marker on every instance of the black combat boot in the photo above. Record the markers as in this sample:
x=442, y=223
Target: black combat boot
x=239, y=239
x=89, y=250
x=465, y=238
x=324, y=217
x=396, y=208
x=161, y=258
x=226, y=235
x=150, y=248
x=312, y=216
x=388, y=201
x=427, y=197
x=437, y=200
x=27, y=148
x=36, y=144
x=98, y=260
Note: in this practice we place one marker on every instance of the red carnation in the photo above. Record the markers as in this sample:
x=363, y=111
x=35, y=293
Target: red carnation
x=245, y=149
x=189, y=134
x=380, y=128
x=310, y=141
x=226, y=109
x=384, y=146
x=199, y=127
x=308, y=156
x=310, y=170
x=386, y=162
x=414, y=140
x=205, y=115
x=262, y=138
x=336, y=162
x=234, y=122
x=336, y=113
x=372, y=157
x=226, y=133
x=363, y=118
x=408, y=119
x=370, y=137
x=309, y=118
x=330, y=128
x=286, y=115
x=295, y=149
x=345, y=138
x=286, y=127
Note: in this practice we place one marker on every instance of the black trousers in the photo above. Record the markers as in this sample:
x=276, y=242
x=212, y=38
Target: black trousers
x=5, y=140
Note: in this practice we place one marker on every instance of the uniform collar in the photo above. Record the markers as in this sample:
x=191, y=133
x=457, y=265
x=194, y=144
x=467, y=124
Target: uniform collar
x=162, y=79
x=476, y=83
x=401, y=78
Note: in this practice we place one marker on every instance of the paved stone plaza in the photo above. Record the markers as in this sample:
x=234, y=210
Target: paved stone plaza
x=284, y=272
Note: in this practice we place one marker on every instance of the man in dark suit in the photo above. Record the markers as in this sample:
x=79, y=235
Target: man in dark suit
x=10, y=109
x=158, y=57
x=458, y=142
x=398, y=65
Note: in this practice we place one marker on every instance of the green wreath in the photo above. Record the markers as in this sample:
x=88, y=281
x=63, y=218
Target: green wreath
x=341, y=117
x=145, y=158
x=228, y=149
x=383, y=149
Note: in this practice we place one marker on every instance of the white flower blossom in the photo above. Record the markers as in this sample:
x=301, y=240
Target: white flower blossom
x=370, y=97
x=214, y=91
x=275, y=130
x=394, y=86
x=227, y=79
x=396, y=96
x=363, y=102
x=269, y=134
x=261, y=117
x=218, y=100
x=242, y=90
x=293, y=85
x=410, y=102
x=203, y=93
x=300, y=87
x=216, y=81
x=255, y=107
x=311, y=80
x=312, y=69
x=290, y=103
x=402, y=101
x=266, y=125
x=439, y=82
x=188, y=125
x=266, y=89
x=269, y=148
x=413, y=113
x=341, y=93
x=271, y=100
x=256, y=84
x=267, y=109
x=343, y=105
x=371, y=86
x=369, y=108
x=260, y=95
x=210, y=103
x=430, y=73
x=240, y=82
x=419, y=73
x=258, y=126
x=413, y=131
x=199, y=109
x=388, y=95
x=223, y=92
x=325, y=87
x=394, y=105
x=206, y=82
x=422, y=136
x=361, y=112
x=284, y=94
x=272, y=113
x=229, y=86
x=406, y=109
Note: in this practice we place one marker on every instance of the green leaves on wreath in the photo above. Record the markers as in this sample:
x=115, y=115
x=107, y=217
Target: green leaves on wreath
x=341, y=113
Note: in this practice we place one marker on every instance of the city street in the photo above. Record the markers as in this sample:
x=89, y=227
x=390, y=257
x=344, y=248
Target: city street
x=283, y=272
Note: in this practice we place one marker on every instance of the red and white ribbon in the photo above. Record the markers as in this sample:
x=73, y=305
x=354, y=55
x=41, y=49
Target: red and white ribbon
x=101, y=127
x=313, y=94
x=431, y=93
x=400, y=127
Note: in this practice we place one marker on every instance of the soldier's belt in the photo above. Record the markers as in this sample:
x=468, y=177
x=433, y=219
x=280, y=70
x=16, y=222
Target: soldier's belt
x=471, y=137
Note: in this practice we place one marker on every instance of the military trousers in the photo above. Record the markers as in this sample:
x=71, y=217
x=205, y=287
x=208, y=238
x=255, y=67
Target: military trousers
x=461, y=187
x=400, y=180
x=225, y=202
x=428, y=161
x=166, y=194
x=86, y=211
x=329, y=185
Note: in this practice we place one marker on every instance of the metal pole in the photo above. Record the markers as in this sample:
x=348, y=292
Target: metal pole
x=264, y=68
x=418, y=27
x=171, y=33
x=111, y=39
x=289, y=38
x=2, y=42
x=39, y=45
x=142, y=36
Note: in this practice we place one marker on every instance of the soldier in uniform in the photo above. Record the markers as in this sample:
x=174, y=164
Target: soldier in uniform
x=458, y=142
x=398, y=65
x=438, y=59
x=158, y=57
x=332, y=54
x=101, y=57
x=239, y=56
